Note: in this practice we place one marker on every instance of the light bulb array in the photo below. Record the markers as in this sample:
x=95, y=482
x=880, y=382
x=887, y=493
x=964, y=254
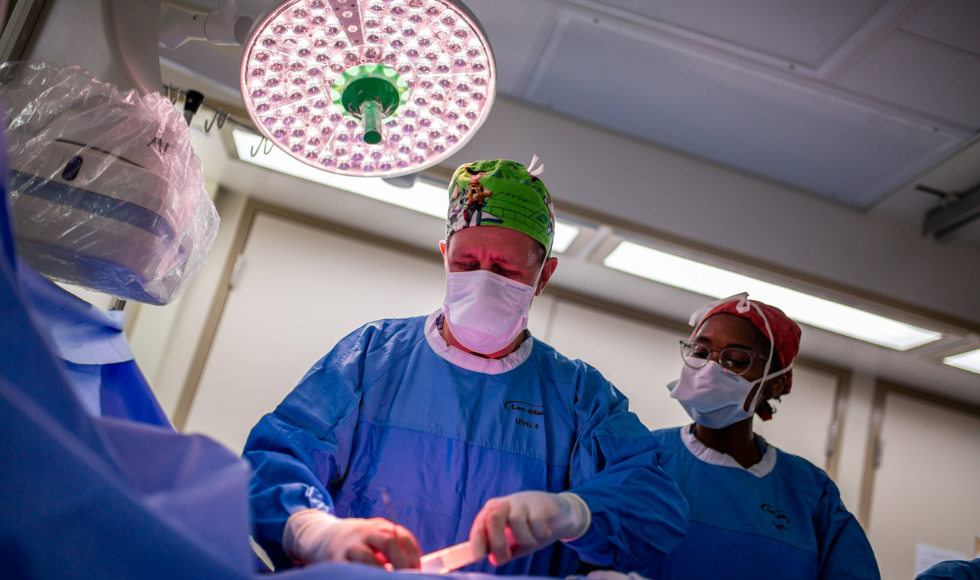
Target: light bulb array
x=431, y=49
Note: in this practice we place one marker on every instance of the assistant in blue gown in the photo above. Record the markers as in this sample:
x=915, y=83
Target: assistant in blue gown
x=756, y=511
x=782, y=517
x=392, y=407
x=953, y=570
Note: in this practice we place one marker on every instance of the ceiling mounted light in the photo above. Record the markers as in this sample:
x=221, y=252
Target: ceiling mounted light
x=565, y=234
x=968, y=361
x=697, y=277
x=368, y=87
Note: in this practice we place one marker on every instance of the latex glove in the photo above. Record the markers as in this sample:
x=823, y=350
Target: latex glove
x=315, y=536
x=521, y=523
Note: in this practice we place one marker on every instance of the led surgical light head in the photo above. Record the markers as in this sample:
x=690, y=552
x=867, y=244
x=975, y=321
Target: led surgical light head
x=368, y=87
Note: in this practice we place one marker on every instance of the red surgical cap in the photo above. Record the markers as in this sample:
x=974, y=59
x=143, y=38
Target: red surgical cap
x=785, y=333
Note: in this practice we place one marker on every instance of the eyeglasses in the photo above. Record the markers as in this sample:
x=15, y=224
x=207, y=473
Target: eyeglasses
x=734, y=361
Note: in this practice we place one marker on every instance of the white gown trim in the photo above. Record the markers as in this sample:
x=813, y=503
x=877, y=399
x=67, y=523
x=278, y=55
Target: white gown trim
x=708, y=455
x=472, y=362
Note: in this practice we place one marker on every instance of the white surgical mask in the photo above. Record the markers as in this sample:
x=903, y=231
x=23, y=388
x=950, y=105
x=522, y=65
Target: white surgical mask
x=714, y=398
x=486, y=311
x=711, y=396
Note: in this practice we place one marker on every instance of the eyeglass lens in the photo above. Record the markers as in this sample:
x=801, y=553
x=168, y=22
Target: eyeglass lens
x=734, y=360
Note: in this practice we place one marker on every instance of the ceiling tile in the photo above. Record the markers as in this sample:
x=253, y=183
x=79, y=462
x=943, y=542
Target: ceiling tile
x=954, y=23
x=753, y=122
x=922, y=75
x=803, y=31
x=517, y=30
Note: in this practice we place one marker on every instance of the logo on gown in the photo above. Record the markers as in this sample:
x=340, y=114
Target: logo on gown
x=528, y=416
x=779, y=519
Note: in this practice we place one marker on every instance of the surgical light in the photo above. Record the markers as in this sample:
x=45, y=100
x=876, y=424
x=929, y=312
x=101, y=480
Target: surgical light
x=679, y=272
x=968, y=361
x=368, y=87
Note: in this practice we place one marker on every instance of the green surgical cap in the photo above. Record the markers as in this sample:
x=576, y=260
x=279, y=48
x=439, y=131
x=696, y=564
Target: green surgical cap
x=501, y=193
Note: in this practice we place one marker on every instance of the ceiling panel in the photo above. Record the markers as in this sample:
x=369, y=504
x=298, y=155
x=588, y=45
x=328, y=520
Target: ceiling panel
x=517, y=30
x=955, y=23
x=803, y=31
x=922, y=75
x=775, y=129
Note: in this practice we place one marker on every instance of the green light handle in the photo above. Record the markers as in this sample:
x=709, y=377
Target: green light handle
x=372, y=117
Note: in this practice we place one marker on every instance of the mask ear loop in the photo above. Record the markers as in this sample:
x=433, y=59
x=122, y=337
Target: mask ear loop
x=772, y=351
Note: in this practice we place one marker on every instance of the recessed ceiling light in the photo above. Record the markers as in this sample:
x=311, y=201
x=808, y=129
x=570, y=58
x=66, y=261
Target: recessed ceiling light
x=968, y=361
x=716, y=282
x=368, y=87
x=565, y=234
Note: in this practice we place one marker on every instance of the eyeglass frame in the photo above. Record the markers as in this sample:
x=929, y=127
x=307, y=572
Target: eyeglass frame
x=752, y=356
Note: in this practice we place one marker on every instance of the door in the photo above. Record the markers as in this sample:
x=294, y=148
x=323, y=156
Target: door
x=927, y=484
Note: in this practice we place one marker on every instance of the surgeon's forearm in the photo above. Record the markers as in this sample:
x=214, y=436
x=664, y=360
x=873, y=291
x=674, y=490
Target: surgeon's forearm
x=637, y=512
x=280, y=487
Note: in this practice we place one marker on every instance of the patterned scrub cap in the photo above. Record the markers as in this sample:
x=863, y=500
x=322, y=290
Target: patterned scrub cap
x=501, y=193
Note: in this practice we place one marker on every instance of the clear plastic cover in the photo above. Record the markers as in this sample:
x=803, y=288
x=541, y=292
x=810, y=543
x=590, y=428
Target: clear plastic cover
x=105, y=190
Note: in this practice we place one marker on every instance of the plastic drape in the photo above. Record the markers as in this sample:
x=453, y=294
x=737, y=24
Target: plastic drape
x=106, y=191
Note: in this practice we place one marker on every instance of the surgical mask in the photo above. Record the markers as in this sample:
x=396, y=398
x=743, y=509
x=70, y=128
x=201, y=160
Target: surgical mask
x=485, y=310
x=713, y=397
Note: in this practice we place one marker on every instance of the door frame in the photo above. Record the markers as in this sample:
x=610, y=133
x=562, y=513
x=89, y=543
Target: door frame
x=873, y=449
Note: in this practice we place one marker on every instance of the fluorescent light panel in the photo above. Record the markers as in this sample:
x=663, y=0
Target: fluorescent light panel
x=968, y=361
x=680, y=272
x=565, y=234
x=422, y=197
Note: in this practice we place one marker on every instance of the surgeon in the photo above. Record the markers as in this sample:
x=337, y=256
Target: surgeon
x=461, y=426
x=756, y=511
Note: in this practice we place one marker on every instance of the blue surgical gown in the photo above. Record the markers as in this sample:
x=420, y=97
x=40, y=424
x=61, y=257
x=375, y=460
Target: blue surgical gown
x=93, y=351
x=952, y=570
x=386, y=410
x=783, y=519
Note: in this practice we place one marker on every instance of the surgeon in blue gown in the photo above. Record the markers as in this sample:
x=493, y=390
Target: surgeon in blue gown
x=474, y=429
x=94, y=485
x=756, y=511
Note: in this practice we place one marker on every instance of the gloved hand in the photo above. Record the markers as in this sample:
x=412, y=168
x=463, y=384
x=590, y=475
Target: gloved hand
x=521, y=523
x=315, y=536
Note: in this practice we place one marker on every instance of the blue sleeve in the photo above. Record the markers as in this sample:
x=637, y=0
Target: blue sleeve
x=843, y=550
x=638, y=512
x=303, y=446
x=952, y=570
